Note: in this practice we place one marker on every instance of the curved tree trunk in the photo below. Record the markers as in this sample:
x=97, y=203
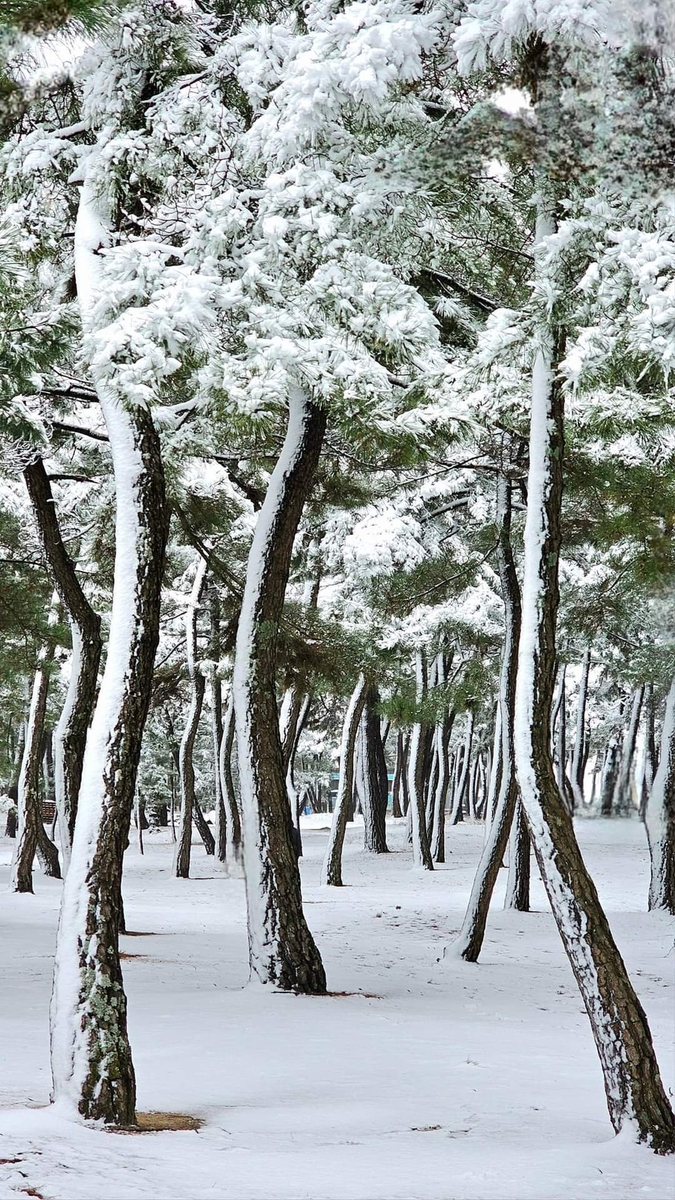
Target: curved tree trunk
x=470, y=940
x=633, y=1085
x=578, y=756
x=294, y=799
x=660, y=817
x=418, y=826
x=186, y=771
x=331, y=871
x=282, y=950
x=92, y=1067
x=227, y=781
x=30, y=824
x=70, y=735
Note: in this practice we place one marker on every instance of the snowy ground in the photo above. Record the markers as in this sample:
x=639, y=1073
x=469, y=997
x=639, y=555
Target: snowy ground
x=440, y=1080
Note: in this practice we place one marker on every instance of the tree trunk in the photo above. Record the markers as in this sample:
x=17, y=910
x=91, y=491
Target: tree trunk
x=186, y=771
x=633, y=1085
x=294, y=799
x=650, y=748
x=470, y=940
x=216, y=698
x=418, y=827
x=331, y=872
x=28, y=804
x=399, y=768
x=70, y=735
x=621, y=803
x=578, y=757
x=227, y=781
x=443, y=733
x=518, y=881
x=660, y=817
x=374, y=793
x=610, y=772
x=282, y=950
x=92, y=1067
x=461, y=788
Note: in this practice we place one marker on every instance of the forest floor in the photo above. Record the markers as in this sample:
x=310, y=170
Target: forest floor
x=421, y=1077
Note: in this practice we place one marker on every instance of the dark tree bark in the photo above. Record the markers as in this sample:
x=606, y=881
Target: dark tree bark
x=578, y=756
x=416, y=771
x=70, y=735
x=216, y=697
x=462, y=785
x=374, y=793
x=650, y=748
x=621, y=803
x=610, y=771
x=186, y=772
x=470, y=940
x=443, y=733
x=31, y=832
x=331, y=872
x=633, y=1087
x=227, y=781
x=282, y=950
x=399, y=770
x=660, y=818
x=518, y=882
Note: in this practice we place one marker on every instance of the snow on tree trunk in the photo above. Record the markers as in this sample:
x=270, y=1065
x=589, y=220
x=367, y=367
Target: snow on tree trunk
x=30, y=824
x=331, y=871
x=633, y=1087
x=399, y=768
x=291, y=789
x=495, y=776
x=443, y=733
x=610, y=771
x=418, y=827
x=468, y=944
x=621, y=802
x=282, y=950
x=462, y=786
x=660, y=817
x=70, y=735
x=216, y=700
x=649, y=769
x=227, y=781
x=91, y=1060
x=186, y=771
x=518, y=881
x=578, y=757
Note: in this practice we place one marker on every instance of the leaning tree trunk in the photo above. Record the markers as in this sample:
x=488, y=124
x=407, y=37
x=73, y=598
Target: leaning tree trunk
x=92, y=1067
x=28, y=804
x=294, y=799
x=462, y=784
x=186, y=771
x=660, y=817
x=70, y=735
x=578, y=756
x=470, y=940
x=633, y=1087
x=399, y=771
x=650, y=764
x=331, y=871
x=282, y=950
x=621, y=803
x=227, y=781
x=610, y=771
x=416, y=761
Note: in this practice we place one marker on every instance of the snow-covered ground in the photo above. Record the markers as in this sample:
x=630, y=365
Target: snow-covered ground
x=430, y=1078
